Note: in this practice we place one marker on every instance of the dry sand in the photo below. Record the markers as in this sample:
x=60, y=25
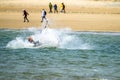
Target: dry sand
x=97, y=16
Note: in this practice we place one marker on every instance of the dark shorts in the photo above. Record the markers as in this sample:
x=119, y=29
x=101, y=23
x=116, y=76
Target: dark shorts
x=43, y=16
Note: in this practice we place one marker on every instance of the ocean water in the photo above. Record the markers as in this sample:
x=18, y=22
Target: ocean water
x=62, y=55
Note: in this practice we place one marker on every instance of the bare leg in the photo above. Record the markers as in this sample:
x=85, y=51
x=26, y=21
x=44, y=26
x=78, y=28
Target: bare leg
x=24, y=19
x=27, y=19
x=42, y=19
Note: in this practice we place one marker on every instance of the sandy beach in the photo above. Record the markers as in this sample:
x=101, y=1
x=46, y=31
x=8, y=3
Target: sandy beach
x=97, y=16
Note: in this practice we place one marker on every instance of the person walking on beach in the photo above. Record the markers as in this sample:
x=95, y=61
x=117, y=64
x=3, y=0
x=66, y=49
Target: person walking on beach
x=25, y=14
x=44, y=13
x=63, y=8
x=55, y=8
x=50, y=7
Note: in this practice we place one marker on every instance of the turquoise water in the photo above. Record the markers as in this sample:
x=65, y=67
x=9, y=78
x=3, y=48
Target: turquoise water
x=63, y=55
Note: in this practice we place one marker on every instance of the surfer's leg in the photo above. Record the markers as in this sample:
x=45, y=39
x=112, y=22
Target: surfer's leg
x=37, y=43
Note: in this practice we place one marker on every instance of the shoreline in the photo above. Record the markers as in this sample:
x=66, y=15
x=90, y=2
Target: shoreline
x=66, y=28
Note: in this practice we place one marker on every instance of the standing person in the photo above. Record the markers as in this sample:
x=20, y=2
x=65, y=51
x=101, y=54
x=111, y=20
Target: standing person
x=50, y=7
x=55, y=8
x=25, y=14
x=44, y=13
x=63, y=9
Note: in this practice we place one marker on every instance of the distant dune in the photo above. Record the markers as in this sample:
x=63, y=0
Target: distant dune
x=75, y=6
x=106, y=0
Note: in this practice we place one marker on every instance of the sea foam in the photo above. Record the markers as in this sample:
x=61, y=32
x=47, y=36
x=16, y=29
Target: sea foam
x=48, y=37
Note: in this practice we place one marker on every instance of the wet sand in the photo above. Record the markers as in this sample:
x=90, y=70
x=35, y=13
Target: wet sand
x=77, y=18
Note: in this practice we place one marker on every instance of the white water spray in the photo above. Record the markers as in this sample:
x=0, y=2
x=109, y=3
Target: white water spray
x=48, y=37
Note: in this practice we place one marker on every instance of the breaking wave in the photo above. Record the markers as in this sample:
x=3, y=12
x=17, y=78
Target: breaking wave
x=62, y=38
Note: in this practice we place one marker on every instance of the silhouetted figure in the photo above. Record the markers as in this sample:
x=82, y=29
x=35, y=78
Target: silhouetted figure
x=25, y=14
x=44, y=13
x=63, y=9
x=55, y=8
x=50, y=7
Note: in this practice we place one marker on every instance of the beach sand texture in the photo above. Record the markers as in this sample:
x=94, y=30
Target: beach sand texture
x=80, y=15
